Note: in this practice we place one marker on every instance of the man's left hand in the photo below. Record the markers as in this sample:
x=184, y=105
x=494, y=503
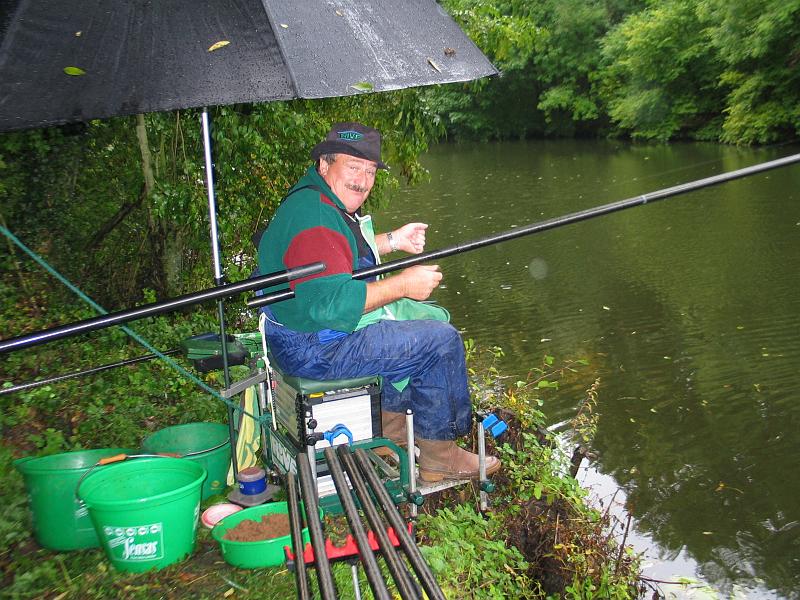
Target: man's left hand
x=410, y=237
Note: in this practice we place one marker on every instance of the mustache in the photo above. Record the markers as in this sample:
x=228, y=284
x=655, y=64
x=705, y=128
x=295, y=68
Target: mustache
x=357, y=188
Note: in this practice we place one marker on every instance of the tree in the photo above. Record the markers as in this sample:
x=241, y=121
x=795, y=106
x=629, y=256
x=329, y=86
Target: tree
x=659, y=75
x=759, y=42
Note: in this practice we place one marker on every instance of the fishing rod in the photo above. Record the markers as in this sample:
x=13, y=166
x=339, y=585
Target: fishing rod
x=553, y=223
x=156, y=308
x=92, y=371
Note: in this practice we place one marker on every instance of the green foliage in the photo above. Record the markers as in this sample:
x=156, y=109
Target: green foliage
x=758, y=42
x=660, y=80
x=470, y=558
x=700, y=69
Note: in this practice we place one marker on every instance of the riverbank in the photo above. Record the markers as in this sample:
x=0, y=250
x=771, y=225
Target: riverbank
x=539, y=538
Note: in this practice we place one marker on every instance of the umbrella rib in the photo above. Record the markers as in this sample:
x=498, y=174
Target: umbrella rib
x=275, y=30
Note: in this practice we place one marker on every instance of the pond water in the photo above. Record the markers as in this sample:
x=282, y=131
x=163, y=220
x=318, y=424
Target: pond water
x=687, y=309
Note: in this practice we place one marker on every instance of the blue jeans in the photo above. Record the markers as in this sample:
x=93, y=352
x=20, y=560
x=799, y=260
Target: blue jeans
x=430, y=353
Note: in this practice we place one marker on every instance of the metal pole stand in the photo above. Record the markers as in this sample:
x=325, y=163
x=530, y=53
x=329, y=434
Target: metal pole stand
x=414, y=497
x=496, y=428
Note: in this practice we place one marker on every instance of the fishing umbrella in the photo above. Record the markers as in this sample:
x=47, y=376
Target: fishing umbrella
x=75, y=60
x=65, y=61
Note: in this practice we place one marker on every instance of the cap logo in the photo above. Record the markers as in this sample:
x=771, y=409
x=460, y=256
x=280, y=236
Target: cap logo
x=351, y=136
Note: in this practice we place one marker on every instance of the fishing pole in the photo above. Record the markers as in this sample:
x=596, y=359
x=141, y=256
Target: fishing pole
x=156, y=308
x=92, y=371
x=553, y=223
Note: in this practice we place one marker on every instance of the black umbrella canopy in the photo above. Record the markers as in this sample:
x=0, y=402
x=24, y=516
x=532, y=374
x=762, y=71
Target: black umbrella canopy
x=73, y=60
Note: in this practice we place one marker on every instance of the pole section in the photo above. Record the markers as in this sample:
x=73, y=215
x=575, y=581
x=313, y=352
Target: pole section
x=553, y=223
x=92, y=371
x=157, y=308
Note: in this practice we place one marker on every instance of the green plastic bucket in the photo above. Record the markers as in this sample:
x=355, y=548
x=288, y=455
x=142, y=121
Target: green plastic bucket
x=207, y=444
x=260, y=553
x=59, y=521
x=145, y=510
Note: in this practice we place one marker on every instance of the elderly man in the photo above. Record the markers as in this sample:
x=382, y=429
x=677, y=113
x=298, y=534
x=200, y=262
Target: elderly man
x=337, y=327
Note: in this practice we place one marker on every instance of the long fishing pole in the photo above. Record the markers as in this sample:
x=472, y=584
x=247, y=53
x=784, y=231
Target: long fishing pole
x=156, y=308
x=575, y=217
x=58, y=378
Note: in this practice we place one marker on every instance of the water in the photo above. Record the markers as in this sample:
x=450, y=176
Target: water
x=687, y=309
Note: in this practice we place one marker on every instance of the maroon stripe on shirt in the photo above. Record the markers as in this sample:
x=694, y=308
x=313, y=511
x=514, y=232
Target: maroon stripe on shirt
x=319, y=244
x=325, y=200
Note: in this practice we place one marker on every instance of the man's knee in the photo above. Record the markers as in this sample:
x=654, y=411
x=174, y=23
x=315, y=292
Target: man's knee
x=440, y=335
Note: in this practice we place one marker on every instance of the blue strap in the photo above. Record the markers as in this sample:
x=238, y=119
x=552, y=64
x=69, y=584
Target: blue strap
x=335, y=432
x=494, y=425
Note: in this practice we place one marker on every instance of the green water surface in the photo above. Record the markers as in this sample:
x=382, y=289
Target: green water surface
x=689, y=311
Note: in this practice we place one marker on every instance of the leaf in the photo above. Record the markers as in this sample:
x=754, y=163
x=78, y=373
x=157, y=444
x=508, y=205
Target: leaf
x=363, y=86
x=218, y=45
x=434, y=65
x=74, y=71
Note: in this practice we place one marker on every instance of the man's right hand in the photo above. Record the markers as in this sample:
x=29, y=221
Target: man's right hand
x=415, y=282
x=419, y=281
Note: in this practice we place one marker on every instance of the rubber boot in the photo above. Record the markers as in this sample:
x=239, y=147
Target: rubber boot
x=444, y=459
x=394, y=428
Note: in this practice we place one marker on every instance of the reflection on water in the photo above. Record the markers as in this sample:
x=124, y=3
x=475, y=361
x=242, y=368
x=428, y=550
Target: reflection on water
x=688, y=309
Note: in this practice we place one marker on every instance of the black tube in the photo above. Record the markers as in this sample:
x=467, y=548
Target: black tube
x=149, y=310
x=226, y=377
x=393, y=562
x=92, y=371
x=423, y=571
x=368, y=560
x=298, y=546
x=545, y=225
x=327, y=587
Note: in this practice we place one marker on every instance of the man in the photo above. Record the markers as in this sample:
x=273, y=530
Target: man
x=337, y=327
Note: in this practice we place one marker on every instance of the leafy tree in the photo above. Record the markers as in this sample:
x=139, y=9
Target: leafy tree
x=759, y=42
x=659, y=77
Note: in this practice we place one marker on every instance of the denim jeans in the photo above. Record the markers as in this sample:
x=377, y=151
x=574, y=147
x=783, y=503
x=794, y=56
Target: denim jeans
x=429, y=353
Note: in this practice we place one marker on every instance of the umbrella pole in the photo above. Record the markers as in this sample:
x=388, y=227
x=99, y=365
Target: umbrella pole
x=219, y=278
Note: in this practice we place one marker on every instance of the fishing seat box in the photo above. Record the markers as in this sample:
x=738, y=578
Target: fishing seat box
x=354, y=403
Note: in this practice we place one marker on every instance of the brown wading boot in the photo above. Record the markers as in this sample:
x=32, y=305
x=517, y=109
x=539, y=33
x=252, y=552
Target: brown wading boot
x=444, y=459
x=394, y=428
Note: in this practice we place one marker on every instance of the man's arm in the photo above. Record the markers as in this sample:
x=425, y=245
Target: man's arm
x=408, y=238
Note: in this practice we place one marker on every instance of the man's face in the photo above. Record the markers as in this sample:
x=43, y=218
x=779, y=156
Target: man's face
x=351, y=179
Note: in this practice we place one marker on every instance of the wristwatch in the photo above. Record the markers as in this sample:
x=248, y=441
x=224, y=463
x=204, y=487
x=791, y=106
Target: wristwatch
x=392, y=243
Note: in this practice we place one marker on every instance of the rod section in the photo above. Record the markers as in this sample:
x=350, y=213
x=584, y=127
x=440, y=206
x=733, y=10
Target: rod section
x=553, y=223
x=368, y=559
x=327, y=587
x=298, y=546
x=157, y=308
x=92, y=371
x=393, y=562
x=423, y=571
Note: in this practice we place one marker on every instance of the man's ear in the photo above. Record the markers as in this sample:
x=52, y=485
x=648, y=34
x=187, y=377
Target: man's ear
x=323, y=166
